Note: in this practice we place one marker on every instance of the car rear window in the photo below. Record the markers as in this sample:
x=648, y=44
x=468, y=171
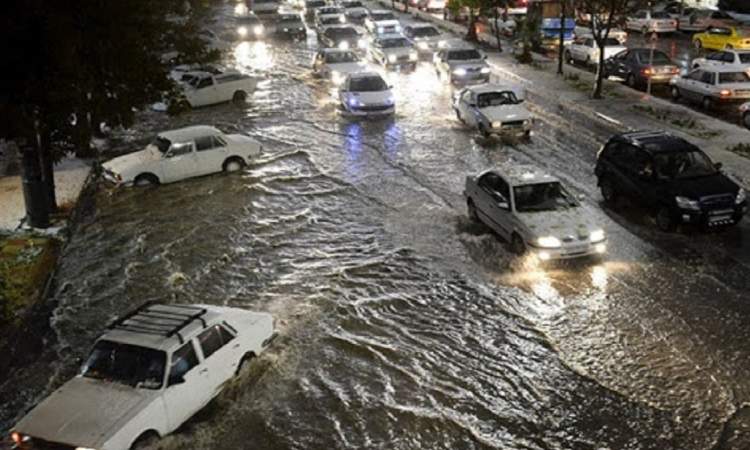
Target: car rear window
x=744, y=58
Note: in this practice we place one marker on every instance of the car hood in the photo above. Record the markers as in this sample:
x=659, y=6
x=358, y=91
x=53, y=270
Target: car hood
x=344, y=68
x=132, y=161
x=506, y=112
x=695, y=188
x=372, y=98
x=84, y=412
x=468, y=63
x=574, y=222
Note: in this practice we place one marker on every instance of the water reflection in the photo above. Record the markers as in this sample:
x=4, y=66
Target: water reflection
x=253, y=56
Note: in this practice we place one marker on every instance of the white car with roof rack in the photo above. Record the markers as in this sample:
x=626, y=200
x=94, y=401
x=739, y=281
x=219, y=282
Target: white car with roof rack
x=366, y=94
x=180, y=154
x=493, y=109
x=534, y=212
x=148, y=373
x=336, y=64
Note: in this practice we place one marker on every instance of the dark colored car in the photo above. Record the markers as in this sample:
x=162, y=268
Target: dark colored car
x=344, y=37
x=289, y=26
x=671, y=177
x=637, y=65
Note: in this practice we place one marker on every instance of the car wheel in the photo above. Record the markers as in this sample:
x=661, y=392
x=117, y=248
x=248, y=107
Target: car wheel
x=664, y=220
x=239, y=97
x=707, y=103
x=146, y=179
x=608, y=192
x=146, y=440
x=246, y=359
x=233, y=164
x=675, y=93
x=483, y=131
x=697, y=44
x=746, y=120
x=630, y=80
x=517, y=245
x=588, y=61
x=472, y=211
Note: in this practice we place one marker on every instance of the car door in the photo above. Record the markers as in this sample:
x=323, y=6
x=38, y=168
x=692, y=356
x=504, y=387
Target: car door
x=179, y=162
x=189, y=387
x=469, y=105
x=641, y=172
x=688, y=84
x=615, y=65
x=205, y=92
x=221, y=352
x=210, y=155
x=488, y=203
x=705, y=86
x=621, y=167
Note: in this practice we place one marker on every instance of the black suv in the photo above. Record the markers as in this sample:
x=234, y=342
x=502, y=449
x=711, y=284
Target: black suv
x=672, y=177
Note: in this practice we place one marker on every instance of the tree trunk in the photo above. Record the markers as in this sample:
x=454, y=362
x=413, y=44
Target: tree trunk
x=497, y=32
x=471, y=34
x=48, y=168
x=598, y=84
x=34, y=192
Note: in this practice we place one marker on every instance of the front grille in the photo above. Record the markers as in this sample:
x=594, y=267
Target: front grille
x=742, y=92
x=403, y=58
x=513, y=124
x=721, y=201
x=373, y=108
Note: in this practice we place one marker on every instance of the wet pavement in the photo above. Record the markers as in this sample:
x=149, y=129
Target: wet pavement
x=404, y=325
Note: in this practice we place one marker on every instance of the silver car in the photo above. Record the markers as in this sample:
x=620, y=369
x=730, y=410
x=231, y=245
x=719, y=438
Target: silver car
x=712, y=86
x=534, y=212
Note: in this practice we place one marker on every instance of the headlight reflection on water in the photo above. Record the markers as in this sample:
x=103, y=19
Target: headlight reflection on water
x=253, y=55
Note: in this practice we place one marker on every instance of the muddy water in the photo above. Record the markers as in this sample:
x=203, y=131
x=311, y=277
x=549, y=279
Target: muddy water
x=405, y=326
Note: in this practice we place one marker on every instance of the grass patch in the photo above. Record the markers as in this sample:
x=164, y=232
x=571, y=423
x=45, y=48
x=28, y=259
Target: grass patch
x=678, y=120
x=26, y=261
x=740, y=149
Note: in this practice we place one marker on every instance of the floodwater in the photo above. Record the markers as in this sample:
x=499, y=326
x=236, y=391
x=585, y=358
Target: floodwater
x=404, y=325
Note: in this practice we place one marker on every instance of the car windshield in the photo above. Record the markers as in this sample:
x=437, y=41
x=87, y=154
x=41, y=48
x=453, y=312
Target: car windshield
x=659, y=57
x=337, y=33
x=341, y=57
x=329, y=10
x=425, y=32
x=330, y=20
x=315, y=3
x=368, y=84
x=733, y=77
x=161, y=143
x=542, y=197
x=377, y=17
x=127, y=364
x=290, y=19
x=353, y=5
x=464, y=54
x=687, y=164
x=394, y=42
x=496, y=99
x=660, y=15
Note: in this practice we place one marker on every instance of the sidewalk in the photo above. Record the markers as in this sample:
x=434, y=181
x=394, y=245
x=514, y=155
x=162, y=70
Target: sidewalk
x=622, y=109
x=70, y=177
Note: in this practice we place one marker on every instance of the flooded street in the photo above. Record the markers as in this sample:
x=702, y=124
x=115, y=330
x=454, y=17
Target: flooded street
x=403, y=324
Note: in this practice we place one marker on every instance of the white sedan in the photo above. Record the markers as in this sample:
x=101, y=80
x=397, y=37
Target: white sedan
x=585, y=50
x=366, y=94
x=493, y=109
x=336, y=64
x=184, y=153
x=394, y=52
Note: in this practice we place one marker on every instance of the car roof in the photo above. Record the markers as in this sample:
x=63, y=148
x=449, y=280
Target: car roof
x=189, y=133
x=343, y=26
x=721, y=69
x=657, y=141
x=491, y=87
x=523, y=174
x=160, y=326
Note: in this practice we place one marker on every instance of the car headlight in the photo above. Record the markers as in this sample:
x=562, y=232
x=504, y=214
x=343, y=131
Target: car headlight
x=362, y=43
x=342, y=19
x=442, y=44
x=343, y=45
x=741, y=196
x=390, y=100
x=527, y=122
x=686, y=203
x=596, y=236
x=336, y=77
x=258, y=30
x=548, y=242
x=84, y=448
x=19, y=438
x=380, y=30
x=242, y=31
x=485, y=70
x=497, y=124
x=413, y=56
x=423, y=46
x=460, y=72
x=392, y=58
x=353, y=101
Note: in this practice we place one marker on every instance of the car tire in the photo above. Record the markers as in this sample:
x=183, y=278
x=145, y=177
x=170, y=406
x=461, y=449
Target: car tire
x=588, y=61
x=675, y=93
x=746, y=120
x=664, y=220
x=609, y=193
x=472, y=211
x=146, y=179
x=707, y=103
x=244, y=361
x=145, y=440
x=697, y=44
x=233, y=164
x=239, y=97
x=517, y=245
x=631, y=81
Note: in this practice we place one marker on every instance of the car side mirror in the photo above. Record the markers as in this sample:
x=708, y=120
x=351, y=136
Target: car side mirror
x=718, y=165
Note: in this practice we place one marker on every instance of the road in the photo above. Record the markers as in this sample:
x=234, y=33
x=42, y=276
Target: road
x=404, y=325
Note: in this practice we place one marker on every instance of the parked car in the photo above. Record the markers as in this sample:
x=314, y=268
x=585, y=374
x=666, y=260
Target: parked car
x=431, y=5
x=366, y=94
x=616, y=33
x=671, y=177
x=493, y=109
x=646, y=21
x=534, y=212
x=147, y=374
x=343, y=37
x=462, y=65
x=745, y=114
x=250, y=27
x=336, y=64
x=185, y=73
x=639, y=65
x=311, y=6
x=288, y=26
x=206, y=89
x=264, y=8
x=712, y=86
x=739, y=59
x=585, y=50
x=703, y=19
x=722, y=38
x=180, y=154
x=426, y=38
x=355, y=11
x=394, y=52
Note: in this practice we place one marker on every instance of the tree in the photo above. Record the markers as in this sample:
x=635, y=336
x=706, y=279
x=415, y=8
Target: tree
x=738, y=6
x=565, y=8
x=603, y=15
x=71, y=66
x=496, y=6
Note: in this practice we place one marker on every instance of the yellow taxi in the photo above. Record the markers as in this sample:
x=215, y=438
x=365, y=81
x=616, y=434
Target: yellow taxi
x=720, y=38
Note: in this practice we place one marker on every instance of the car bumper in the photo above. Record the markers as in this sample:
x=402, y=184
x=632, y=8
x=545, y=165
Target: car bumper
x=659, y=78
x=507, y=129
x=570, y=251
x=733, y=99
x=469, y=79
x=112, y=178
x=362, y=111
x=714, y=218
x=408, y=65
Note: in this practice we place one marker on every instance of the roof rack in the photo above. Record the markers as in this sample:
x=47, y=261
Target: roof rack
x=168, y=321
